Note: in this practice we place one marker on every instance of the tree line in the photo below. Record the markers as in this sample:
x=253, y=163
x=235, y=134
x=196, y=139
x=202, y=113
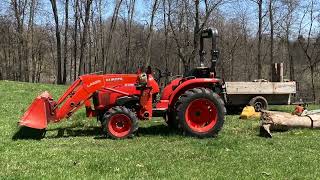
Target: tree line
x=58, y=40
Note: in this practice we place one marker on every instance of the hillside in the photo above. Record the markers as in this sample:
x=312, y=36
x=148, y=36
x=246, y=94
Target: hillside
x=74, y=149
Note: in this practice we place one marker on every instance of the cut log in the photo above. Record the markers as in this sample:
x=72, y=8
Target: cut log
x=281, y=121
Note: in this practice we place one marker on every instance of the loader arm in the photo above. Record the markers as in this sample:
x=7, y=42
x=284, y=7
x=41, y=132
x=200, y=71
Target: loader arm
x=44, y=109
x=78, y=93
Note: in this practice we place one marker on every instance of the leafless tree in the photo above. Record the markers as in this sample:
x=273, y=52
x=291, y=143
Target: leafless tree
x=83, y=41
x=58, y=39
x=114, y=37
x=66, y=28
x=184, y=52
x=287, y=22
x=30, y=43
x=271, y=23
x=75, y=39
x=310, y=46
x=259, y=33
x=19, y=8
x=112, y=28
x=150, y=33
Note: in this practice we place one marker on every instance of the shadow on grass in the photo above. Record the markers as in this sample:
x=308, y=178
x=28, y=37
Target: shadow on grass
x=234, y=110
x=75, y=131
x=281, y=110
x=24, y=132
x=158, y=130
x=96, y=131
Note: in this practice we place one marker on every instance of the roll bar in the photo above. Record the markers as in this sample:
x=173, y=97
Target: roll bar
x=210, y=33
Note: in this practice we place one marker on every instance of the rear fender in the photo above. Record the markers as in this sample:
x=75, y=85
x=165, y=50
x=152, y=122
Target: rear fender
x=190, y=84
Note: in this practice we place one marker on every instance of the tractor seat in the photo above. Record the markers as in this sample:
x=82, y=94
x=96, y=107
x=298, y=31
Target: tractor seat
x=198, y=72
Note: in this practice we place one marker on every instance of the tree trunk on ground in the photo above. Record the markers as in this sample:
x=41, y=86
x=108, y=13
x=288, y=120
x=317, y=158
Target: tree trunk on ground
x=281, y=121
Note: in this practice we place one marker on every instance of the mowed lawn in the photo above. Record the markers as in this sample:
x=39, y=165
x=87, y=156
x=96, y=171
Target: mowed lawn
x=74, y=149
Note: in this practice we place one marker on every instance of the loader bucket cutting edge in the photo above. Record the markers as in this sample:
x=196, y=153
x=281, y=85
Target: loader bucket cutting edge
x=38, y=113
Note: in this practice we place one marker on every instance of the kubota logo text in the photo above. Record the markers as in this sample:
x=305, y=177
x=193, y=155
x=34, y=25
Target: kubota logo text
x=94, y=83
x=114, y=79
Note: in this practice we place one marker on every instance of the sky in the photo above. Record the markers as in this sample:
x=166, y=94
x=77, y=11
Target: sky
x=46, y=11
x=143, y=7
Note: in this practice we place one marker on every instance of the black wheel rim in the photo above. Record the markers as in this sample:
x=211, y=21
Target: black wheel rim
x=258, y=106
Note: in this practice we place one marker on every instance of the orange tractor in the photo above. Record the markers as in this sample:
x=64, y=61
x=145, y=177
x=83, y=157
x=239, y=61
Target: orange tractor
x=193, y=103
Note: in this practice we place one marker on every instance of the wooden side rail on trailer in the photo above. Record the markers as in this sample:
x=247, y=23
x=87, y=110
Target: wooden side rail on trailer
x=259, y=93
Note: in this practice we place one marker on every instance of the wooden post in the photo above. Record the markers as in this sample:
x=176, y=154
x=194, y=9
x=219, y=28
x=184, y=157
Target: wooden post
x=277, y=72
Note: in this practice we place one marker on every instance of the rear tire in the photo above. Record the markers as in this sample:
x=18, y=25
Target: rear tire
x=172, y=118
x=201, y=112
x=119, y=123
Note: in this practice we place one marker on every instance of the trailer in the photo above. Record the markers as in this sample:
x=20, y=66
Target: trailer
x=261, y=93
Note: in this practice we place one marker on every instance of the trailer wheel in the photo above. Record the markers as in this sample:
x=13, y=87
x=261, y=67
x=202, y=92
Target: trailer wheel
x=259, y=103
x=201, y=112
x=119, y=123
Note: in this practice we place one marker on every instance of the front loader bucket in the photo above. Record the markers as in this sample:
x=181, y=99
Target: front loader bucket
x=38, y=113
x=34, y=121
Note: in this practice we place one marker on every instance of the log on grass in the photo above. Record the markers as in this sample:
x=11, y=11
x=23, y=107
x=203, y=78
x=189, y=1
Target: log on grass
x=281, y=121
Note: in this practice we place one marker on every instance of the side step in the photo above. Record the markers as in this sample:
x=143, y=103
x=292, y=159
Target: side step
x=159, y=112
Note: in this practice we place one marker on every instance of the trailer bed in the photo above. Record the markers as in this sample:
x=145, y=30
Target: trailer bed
x=277, y=93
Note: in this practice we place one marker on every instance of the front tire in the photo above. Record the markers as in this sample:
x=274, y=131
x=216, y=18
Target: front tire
x=119, y=123
x=201, y=112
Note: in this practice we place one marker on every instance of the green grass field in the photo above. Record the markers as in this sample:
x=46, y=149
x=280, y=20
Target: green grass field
x=73, y=149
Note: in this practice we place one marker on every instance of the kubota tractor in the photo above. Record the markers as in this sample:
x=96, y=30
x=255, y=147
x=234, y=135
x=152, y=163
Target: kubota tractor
x=193, y=102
